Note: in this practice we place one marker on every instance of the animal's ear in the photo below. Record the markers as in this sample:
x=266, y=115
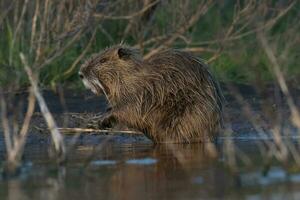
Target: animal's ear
x=124, y=53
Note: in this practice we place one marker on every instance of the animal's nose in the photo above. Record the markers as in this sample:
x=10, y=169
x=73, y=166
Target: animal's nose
x=80, y=75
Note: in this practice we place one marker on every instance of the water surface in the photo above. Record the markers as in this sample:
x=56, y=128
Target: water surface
x=143, y=171
x=131, y=167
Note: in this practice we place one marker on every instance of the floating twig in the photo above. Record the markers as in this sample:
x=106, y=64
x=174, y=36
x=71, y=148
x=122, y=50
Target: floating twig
x=91, y=130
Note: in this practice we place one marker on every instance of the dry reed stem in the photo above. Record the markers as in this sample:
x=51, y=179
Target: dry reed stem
x=6, y=12
x=272, y=150
x=232, y=152
x=295, y=115
x=56, y=136
x=107, y=34
x=154, y=39
x=266, y=25
x=42, y=32
x=57, y=53
x=91, y=130
x=5, y=124
x=232, y=34
x=127, y=17
x=249, y=113
x=15, y=143
x=247, y=11
x=199, y=50
x=200, y=11
x=19, y=141
x=74, y=64
x=282, y=153
x=21, y=21
x=280, y=148
x=34, y=26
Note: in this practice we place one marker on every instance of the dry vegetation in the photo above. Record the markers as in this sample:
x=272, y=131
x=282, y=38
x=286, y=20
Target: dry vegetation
x=254, y=42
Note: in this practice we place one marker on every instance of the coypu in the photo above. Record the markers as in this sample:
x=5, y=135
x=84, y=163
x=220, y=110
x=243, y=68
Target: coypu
x=170, y=97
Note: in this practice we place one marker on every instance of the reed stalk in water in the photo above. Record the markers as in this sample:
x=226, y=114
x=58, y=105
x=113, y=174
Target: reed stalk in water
x=56, y=136
x=15, y=142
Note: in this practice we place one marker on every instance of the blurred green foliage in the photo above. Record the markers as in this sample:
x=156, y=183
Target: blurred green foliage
x=241, y=60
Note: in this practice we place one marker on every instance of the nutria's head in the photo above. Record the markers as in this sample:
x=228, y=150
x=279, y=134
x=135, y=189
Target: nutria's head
x=103, y=73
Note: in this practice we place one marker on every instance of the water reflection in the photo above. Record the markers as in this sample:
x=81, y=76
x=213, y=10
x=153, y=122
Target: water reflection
x=143, y=161
x=148, y=172
x=47, y=188
x=157, y=172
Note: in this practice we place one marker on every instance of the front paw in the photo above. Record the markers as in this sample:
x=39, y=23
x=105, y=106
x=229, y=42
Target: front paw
x=107, y=122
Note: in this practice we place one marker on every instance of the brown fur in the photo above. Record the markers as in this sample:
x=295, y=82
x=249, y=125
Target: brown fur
x=170, y=97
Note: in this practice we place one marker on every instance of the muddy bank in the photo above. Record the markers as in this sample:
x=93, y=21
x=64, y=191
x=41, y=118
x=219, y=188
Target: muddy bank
x=80, y=109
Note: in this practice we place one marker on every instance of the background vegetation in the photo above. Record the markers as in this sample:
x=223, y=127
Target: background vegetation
x=56, y=36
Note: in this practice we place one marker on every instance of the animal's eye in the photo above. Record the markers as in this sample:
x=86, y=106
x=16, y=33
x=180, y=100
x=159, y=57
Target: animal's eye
x=103, y=60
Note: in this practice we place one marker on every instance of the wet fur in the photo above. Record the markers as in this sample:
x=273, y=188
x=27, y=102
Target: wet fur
x=170, y=97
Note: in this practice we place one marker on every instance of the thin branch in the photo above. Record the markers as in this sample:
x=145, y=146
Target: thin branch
x=199, y=49
x=6, y=12
x=153, y=40
x=280, y=79
x=15, y=142
x=128, y=17
x=60, y=51
x=234, y=36
x=5, y=124
x=70, y=69
x=42, y=32
x=19, y=24
x=201, y=10
x=33, y=26
x=19, y=140
x=56, y=136
x=91, y=130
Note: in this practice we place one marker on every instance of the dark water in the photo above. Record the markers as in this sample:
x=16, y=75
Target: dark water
x=124, y=167
x=139, y=170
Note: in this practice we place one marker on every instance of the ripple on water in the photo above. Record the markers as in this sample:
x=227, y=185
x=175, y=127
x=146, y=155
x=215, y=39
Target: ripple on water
x=295, y=178
x=274, y=175
x=143, y=161
x=103, y=162
x=198, y=180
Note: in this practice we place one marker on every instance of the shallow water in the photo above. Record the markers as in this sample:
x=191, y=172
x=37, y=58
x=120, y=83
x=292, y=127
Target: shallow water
x=143, y=171
x=127, y=167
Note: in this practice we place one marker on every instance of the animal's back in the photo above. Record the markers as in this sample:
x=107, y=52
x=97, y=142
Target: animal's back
x=188, y=101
